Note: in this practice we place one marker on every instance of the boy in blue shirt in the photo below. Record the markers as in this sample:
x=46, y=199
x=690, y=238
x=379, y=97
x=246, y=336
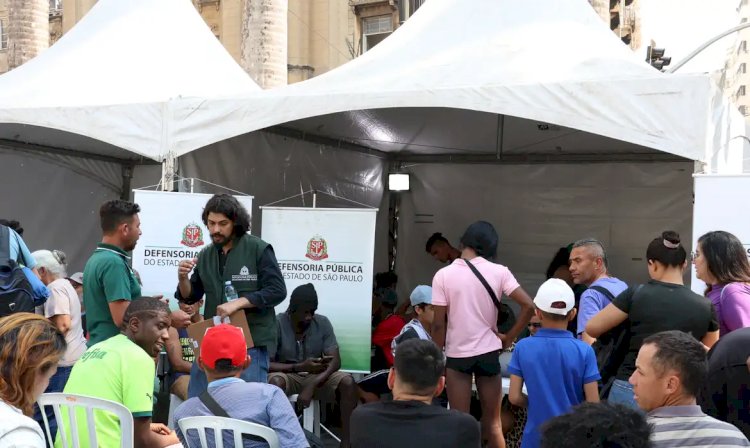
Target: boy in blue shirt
x=559, y=370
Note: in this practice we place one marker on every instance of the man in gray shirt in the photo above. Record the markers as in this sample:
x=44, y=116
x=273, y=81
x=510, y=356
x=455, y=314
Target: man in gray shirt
x=307, y=360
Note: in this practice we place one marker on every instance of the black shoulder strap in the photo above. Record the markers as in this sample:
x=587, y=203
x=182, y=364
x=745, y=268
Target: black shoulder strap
x=212, y=405
x=604, y=291
x=484, y=282
x=4, y=243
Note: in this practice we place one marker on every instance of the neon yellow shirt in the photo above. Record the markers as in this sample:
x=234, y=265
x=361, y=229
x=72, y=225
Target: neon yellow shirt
x=118, y=370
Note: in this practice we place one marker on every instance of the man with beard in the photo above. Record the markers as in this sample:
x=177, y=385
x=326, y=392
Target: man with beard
x=122, y=369
x=307, y=359
x=249, y=265
x=110, y=283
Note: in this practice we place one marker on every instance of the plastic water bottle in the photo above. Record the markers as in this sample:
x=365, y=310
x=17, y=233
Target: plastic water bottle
x=229, y=292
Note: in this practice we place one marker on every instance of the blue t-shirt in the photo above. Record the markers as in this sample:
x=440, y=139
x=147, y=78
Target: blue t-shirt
x=18, y=250
x=555, y=366
x=593, y=301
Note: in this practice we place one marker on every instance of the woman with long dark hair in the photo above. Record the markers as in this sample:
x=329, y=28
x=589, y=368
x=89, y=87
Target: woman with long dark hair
x=662, y=304
x=30, y=348
x=721, y=262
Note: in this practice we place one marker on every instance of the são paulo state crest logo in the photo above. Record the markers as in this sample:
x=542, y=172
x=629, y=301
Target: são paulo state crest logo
x=192, y=235
x=317, y=248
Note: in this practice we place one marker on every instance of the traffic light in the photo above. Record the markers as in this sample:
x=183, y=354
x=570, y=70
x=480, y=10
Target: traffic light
x=655, y=57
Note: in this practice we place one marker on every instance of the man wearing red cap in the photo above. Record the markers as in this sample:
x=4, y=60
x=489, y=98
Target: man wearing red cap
x=223, y=357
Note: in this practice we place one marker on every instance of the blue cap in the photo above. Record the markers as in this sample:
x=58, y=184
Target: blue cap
x=422, y=294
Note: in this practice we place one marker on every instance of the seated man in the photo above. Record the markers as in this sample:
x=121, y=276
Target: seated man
x=307, y=360
x=374, y=385
x=122, y=369
x=223, y=357
x=597, y=425
x=669, y=372
x=410, y=421
x=180, y=352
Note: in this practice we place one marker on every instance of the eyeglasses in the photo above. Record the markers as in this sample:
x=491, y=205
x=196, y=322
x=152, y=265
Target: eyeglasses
x=535, y=324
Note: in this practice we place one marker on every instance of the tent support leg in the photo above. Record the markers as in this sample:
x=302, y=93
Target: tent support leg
x=394, y=208
x=499, y=142
x=169, y=172
x=127, y=177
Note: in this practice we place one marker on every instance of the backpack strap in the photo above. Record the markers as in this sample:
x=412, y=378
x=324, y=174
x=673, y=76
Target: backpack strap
x=487, y=286
x=4, y=244
x=603, y=290
x=212, y=405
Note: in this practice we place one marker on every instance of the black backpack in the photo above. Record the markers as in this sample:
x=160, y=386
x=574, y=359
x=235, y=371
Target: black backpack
x=611, y=347
x=15, y=290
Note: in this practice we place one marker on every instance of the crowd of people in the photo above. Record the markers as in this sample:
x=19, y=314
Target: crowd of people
x=589, y=361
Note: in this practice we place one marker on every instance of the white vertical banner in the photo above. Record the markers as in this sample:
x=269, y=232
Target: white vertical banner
x=722, y=202
x=172, y=230
x=334, y=250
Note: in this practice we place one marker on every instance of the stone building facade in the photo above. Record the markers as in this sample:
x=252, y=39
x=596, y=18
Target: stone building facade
x=321, y=34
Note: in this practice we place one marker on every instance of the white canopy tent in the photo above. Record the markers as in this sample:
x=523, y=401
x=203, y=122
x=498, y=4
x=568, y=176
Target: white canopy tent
x=498, y=109
x=107, y=86
x=443, y=81
x=78, y=123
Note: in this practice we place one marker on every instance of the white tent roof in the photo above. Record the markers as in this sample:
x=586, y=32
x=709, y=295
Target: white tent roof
x=113, y=77
x=463, y=65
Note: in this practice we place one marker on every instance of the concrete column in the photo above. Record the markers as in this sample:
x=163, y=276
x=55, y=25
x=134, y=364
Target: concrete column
x=264, y=41
x=28, y=30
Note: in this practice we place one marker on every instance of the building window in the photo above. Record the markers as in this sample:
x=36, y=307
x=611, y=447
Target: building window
x=415, y=4
x=375, y=30
x=741, y=91
x=743, y=110
x=742, y=48
x=742, y=69
x=744, y=20
x=3, y=35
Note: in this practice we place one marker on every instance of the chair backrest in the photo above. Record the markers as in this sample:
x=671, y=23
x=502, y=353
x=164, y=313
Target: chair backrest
x=88, y=404
x=220, y=424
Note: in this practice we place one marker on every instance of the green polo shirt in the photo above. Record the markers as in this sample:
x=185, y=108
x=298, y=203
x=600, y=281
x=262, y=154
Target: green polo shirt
x=117, y=370
x=107, y=278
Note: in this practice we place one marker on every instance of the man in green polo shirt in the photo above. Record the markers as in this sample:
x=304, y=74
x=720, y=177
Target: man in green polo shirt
x=122, y=369
x=109, y=283
x=250, y=265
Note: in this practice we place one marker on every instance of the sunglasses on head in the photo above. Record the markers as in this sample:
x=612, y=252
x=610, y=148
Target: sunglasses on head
x=535, y=324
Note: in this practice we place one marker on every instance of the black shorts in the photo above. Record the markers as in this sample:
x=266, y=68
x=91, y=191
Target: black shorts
x=375, y=383
x=487, y=364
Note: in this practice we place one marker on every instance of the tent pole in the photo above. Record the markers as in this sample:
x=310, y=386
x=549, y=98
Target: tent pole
x=500, y=134
x=127, y=177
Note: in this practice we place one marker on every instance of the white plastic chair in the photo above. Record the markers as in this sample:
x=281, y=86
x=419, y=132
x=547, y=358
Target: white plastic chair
x=89, y=404
x=220, y=424
x=174, y=403
x=311, y=418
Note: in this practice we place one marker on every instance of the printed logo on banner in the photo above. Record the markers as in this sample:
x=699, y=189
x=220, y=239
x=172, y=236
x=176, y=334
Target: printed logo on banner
x=317, y=248
x=192, y=235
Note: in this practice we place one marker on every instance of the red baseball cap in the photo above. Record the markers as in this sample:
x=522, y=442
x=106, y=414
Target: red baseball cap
x=223, y=342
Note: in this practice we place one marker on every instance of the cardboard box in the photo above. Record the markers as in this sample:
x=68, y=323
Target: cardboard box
x=197, y=330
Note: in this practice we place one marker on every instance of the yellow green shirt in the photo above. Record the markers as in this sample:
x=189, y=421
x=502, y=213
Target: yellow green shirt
x=117, y=370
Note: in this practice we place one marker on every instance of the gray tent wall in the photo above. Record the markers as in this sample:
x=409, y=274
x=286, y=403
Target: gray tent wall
x=56, y=198
x=271, y=167
x=537, y=209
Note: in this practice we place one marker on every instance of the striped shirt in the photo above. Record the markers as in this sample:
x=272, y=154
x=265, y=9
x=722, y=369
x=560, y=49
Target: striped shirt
x=688, y=426
x=259, y=403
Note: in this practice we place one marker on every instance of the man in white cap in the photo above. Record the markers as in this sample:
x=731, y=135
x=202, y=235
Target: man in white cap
x=559, y=370
x=420, y=326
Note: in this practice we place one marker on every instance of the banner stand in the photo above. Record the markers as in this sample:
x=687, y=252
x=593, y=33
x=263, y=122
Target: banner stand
x=332, y=248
